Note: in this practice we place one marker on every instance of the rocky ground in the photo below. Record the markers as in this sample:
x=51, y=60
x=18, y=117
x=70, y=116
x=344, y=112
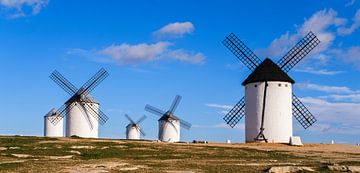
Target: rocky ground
x=38, y=154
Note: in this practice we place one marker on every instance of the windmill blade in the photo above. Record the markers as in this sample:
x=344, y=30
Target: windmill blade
x=175, y=103
x=141, y=119
x=94, y=81
x=85, y=114
x=298, y=52
x=52, y=114
x=301, y=113
x=235, y=114
x=62, y=112
x=141, y=131
x=154, y=110
x=241, y=51
x=185, y=124
x=63, y=82
x=128, y=117
x=98, y=115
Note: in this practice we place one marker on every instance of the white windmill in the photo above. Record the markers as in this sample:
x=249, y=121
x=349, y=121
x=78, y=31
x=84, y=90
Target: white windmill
x=50, y=129
x=169, y=124
x=269, y=100
x=133, y=130
x=81, y=110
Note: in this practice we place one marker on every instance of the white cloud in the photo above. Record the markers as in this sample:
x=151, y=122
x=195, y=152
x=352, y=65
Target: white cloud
x=184, y=56
x=333, y=112
x=350, y=55
x=347, y=97
x=226, y=107
x=355, y=25
x=174, y=30
x=16, y=7
x=350, y=3
x=144, y=52
x=139, y=53
x=240, y=126
x=318, y=71
x=325, y=88
x=327, y=26
x=330, y=129
x=319, y=23
x=343, y=115
x=130, y=54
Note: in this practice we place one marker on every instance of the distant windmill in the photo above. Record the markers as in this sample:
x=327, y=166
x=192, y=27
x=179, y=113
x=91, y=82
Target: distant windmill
x=133, y=130
x=269, y=102
x=50, y=129
x=81, y=110
x=169, y=124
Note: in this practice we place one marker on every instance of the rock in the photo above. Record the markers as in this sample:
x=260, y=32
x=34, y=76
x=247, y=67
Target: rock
x=14, y=148
x=75, y=152
x=83, y=147
x=295, y=141
x=21, y=155
x=199, y=142
x=354, y=169
x=3, y=148
x=338, y=168
x=289, y=169
x=59, y=157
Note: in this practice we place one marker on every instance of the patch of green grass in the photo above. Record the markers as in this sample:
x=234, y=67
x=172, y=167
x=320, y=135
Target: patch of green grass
x=16, y=141
x=10, y=166
x=75, y=137
x=350, y=163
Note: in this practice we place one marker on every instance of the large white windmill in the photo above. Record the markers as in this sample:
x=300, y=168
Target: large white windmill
x=81, y=110
x=133, y=130
x=269, y=103
x=50, y=129
x=169, y=124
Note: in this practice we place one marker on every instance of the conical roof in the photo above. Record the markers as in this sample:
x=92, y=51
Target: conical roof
x=167, y=117
x=267, y=71
x=52, y=112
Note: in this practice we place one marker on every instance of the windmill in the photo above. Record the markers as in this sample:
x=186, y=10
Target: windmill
x=169, y=124
x=81, y=110
x=269, y=103
x=50, y=129
x=133, y=130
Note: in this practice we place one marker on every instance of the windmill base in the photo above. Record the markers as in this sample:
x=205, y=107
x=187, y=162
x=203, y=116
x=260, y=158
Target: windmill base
x=295, y=141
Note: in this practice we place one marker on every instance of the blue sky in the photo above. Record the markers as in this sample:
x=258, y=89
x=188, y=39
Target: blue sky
x=155, y=49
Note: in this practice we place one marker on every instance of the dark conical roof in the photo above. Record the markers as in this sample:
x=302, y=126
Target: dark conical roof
x=267, y=71
x=168, y=116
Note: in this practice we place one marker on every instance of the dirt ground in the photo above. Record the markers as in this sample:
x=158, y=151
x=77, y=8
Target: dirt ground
x=39, y=154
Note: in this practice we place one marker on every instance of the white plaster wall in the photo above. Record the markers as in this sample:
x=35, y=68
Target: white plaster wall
x=169, y=132
x=51, y=130
x=77, y=123
x=278, y=111
x=132, y=132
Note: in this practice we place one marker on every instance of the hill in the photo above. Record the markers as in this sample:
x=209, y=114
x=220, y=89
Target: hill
x=41, y=154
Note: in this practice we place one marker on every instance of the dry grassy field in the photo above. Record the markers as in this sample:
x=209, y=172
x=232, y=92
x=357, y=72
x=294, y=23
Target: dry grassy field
x=39, y=154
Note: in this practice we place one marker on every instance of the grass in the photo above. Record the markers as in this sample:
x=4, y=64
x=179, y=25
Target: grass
x=157, y=157
x=10, y=166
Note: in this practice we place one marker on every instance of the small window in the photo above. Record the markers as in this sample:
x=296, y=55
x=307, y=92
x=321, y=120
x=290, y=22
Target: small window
x=279, y=84
x=286, y=85
x=255, y=85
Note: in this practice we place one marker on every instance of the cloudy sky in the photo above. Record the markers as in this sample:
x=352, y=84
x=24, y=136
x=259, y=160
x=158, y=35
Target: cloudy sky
x=155, y=49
